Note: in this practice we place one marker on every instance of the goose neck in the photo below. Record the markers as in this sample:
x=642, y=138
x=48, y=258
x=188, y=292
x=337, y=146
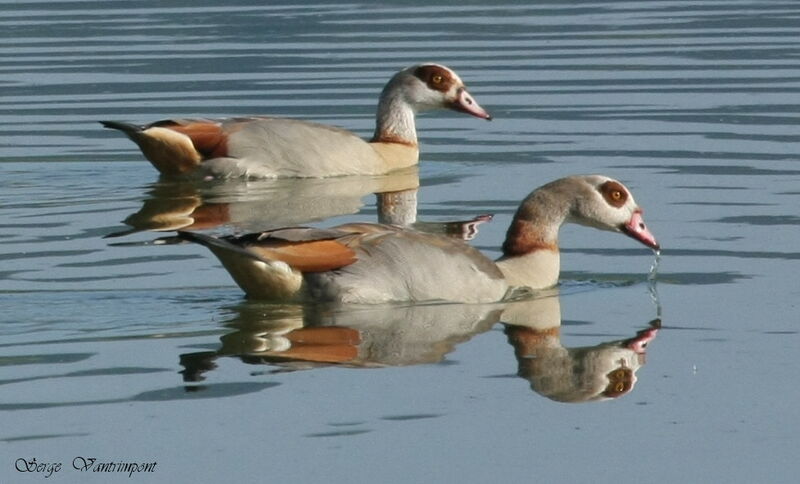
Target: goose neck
x=395, y=121
x=530, y=252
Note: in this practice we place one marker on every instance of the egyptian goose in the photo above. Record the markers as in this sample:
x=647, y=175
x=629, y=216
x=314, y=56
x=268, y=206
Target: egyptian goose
x=374, y=263
x=268, y=147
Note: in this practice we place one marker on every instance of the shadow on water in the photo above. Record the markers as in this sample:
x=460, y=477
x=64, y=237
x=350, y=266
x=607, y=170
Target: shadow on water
x=577, y=278
x=115, y=371
x=737, y=254
x=44, y=359
x=191, y=392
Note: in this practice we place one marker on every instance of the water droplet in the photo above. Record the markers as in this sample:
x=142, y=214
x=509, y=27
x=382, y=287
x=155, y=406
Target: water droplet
x=654, y=268
x=651, y=282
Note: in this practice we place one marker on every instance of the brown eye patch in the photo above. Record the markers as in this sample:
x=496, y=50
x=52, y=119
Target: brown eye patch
x=615, y=194
x=620, y=382
x=435, y=77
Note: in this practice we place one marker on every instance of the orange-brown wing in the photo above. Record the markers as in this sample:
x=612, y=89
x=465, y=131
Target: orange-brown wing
x=310, y=256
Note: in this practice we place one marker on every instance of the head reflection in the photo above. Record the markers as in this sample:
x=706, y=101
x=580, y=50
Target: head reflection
x=571, y=375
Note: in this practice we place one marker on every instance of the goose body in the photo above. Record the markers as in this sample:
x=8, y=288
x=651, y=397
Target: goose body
x=269, y=147
x=375, y=263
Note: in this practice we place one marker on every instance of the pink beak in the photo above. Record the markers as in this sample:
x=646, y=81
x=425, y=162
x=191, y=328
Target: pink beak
x=636, y=229
x=642, y=339
x=466, y=104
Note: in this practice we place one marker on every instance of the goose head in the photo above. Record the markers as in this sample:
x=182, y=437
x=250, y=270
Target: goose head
x=604, y=203
x=530, y=252
x=423, y=87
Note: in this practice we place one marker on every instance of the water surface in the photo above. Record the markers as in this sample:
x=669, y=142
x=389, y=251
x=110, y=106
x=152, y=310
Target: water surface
x=126, y=351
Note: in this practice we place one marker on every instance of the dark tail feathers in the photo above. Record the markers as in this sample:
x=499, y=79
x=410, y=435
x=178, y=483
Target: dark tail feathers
x=127, y=128
x=217, y=243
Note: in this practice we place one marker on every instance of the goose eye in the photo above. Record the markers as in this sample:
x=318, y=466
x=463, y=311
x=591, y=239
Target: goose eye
x=437, y=79
x=614, y=193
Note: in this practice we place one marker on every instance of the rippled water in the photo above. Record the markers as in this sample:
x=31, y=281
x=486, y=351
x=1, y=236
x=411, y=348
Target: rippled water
x=127, y=351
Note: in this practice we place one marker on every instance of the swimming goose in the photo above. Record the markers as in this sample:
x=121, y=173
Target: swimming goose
x=268, y=147
x=373, y=263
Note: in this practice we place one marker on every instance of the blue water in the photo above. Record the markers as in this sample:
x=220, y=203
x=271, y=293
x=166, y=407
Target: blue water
x=130, y=352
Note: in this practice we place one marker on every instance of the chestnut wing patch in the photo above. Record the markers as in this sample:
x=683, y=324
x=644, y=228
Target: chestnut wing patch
x=306, y=256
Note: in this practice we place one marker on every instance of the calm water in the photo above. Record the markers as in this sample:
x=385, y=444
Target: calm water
x=125, y=351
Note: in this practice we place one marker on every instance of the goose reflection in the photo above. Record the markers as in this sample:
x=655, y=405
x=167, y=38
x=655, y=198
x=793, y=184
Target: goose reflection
x=292, y=337
x=250, y=204
x=257, y=205
x=297, y=337
x=571, y=375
